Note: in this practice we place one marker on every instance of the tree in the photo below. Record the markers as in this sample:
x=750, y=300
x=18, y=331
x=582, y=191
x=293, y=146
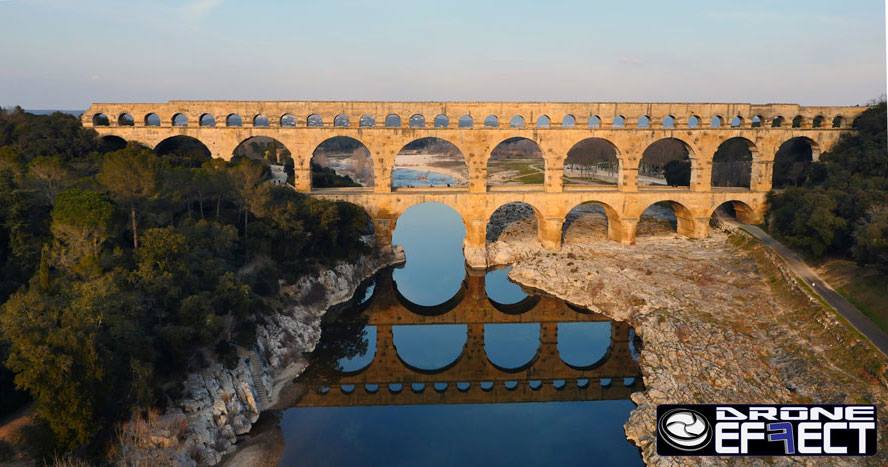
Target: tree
x=871, y=237
x=50, y=175
x=805, y=220
x=131, y=176
x=81, y=222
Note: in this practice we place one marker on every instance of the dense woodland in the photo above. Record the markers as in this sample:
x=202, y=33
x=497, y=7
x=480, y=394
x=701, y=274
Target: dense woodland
x=121, y=269
x=837, y=206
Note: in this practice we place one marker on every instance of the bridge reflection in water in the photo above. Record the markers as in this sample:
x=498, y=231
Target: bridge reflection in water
x=489, y=343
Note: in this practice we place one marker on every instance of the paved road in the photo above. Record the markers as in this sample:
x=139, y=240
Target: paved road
x=804, y=272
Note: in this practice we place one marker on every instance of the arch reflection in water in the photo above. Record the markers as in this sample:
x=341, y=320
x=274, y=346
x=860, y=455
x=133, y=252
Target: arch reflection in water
x=362, y=359
x=429, y=348
x=500, y=289
x=512, y=347
x=584, y=345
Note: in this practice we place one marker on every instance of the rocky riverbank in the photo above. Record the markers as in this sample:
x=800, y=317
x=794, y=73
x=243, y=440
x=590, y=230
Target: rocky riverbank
x=721, y=321
x=219, y=404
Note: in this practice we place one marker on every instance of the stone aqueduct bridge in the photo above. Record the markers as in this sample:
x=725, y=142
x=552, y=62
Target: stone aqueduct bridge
x=302, y=126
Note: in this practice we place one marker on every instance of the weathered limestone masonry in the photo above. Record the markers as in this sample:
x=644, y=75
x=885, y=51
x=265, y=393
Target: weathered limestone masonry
x=476, y=128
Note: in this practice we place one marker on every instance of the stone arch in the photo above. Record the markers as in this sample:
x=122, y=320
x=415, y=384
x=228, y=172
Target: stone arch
x=516, y=161
x=206, y=120
x=517, y=121
x=441, y=163
x=410, y=340
x=737, y=121
x=544, y=122
x=669, y=121
x=644, y=122
x=837, y=121
x=792, y=160
x=514, y=220
x=666, y=162
x=666, y=216
x=341, y=121
x=101, y=119
x=125, y=119
x=736, y=209
x=619, y=122
x=367, y=121
x=271, y=153
x=694, y=121
x=716, y=121
x=110, y=143
x=732, y=163
x=757, y=121
x=179, y=119
x=818, y=121
x=777, y=122
x=594, y=121
x=592, y=161
x=568, y=121
x=416, y=121
x=514, y=358
x=287, y=121
x=392, y=121
x=341, y=161
x=595, y=219
x=491, y=121
x=798, y=121
x=184, y=151
x=441, y=121
x=260, y=121
x=314, y=121
x=234, y=120
x=466, y=121
x=152, y=119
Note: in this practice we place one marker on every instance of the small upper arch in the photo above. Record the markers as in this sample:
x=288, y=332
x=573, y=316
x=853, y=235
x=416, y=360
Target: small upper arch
x=260, y=121
x=416, y=121
x=569, y=121
x=341, y=121
x=491, y=121
x=441, y=121
x=152, y=119
x=101, y=119
x=544, y=122
x=619, y=121
x=367, y=121
x=757, y=121
x=207, y=120
x=818, y=121
x=516, y=121
x=314, y=121
x=644, y=121
x=594, y=121
x=179, y=119
x=838, y=121
x=288, y=121
x=716, y=121
x=392, y=121
x=798, y=121
x=125, y=119
x=694, y=121
x=669, y=121
x=234, y=120
x=777, y=122
x=466, y=121
x=737, y=121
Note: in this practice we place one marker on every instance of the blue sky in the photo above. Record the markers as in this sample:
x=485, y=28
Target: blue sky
x=66, y=53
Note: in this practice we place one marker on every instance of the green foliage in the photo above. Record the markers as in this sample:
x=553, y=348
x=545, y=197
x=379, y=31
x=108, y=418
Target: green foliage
x=871, y=246
x=325, y=177
x=807, y=220
x=81, y=223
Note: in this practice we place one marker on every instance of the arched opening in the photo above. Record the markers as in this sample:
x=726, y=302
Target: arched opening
x=584, y=345
x=491, y=121
x=797, y=121
x=590, y=220
x=429, y=348
x=441, y=121
x=737, y=121
x=757, y=121
x=516, y=161
x=732, y=163
x=272, y=153
x=341, y=121
x=594, y=121
x=665, y=218
x=430, y=162
x=619, y=121
x=513, y=222
x=392, y=121
x=817, y=122
x=432, y=235
x=665, y=163
x=544, y=122
x=359, y=355
x=152, y=119
x=792, y=161
x=512, y=346
x=777, y=122
x=111, y=143
x=341, y=161
x=715, y=121
x=569, y=121
x=694, y=121
x=367, y=121
x=837, y=121
x=314, y=121
x=669, y=122
x=592, y=161
x=517, y=121
x=207, y=121
x=125, y=119
x=288, y=121
x=101, y=119
x=416, y=121
x=466, y=121
x=732, y=210
x=180, y=120
x=183, y=151
x=234, y=120
x=644, y=121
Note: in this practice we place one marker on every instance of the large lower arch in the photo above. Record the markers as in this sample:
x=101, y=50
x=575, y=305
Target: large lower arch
x=666, y=217
x=666, y=162
x=430, y=162
x=341, y=161
x=512, y=347
x=183, y=151
x=592, y=161
x=792, y=160
x=736, y=210
x=732, y=163
x=270, y=152
x=591, y=220
x=430, y=348
x=514, y=221
x=110, y=143
x=516, y=162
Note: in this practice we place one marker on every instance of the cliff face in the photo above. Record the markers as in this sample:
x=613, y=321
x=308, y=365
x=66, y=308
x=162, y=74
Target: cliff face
x=218, y=403
x=721, y=322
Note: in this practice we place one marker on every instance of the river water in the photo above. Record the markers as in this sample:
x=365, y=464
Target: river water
x=432, y=364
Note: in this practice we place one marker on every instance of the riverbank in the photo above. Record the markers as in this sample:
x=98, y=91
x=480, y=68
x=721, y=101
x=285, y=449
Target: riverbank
x=721, y=321
x=219, y=404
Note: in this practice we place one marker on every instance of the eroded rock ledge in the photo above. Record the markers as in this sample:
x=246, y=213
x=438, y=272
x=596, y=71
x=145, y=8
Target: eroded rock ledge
x=218, y=403
x=721, y=322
